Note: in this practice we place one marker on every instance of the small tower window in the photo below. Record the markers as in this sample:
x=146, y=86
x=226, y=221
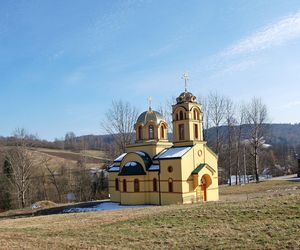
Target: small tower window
x=140, y=133
x=162, y=132
x=170, y=185
x=117, y=184
x=196, y=114
x=176, y=117
x=154, y=185
x=181, y=131
x=136, y=185
x=180, y=115
x=196, y=131
x=151, y=132
x=124, y=186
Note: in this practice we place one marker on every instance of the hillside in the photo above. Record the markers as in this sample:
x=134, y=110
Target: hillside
x=266, y=221
x=275, y=133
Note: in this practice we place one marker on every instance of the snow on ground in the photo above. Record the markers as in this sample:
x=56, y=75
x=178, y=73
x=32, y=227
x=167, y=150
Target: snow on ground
x=101, y=207
x=174, y=152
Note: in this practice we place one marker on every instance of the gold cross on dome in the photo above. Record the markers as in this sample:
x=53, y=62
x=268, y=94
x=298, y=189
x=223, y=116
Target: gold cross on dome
x=185, y=77
x=150, y=102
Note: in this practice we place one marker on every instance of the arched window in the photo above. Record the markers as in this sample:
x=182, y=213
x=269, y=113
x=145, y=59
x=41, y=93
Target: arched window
x=154, y=185
x=170, y=185
x=124, y=186
x=117, y=184
x=180, y=115
x=140, y=133
x=176, y=117
x=196, y=131
x=181, y=131
x=136, y=185
x=162, y=132
x=196, y=114
x=151, y=132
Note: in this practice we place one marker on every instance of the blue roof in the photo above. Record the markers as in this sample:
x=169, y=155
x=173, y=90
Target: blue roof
x=132, y=168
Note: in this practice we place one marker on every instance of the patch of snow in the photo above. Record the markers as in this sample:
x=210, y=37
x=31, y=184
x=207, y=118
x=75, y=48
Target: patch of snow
x=120, y=158
x=131, y=164
x=174, y=152
x=102, y=207
x=35, y=206
x=141, y=153
x=114, y=168
x=154, y=167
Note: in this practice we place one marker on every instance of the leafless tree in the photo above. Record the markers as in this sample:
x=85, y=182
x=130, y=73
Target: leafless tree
x=239, y=135
x=206, y=115
x=230, y=122
x=166, y=111
x=22, y=163
x=216, y=105
x=70, y=141
x=119, y=123
x=257, y=116
x=53, y=178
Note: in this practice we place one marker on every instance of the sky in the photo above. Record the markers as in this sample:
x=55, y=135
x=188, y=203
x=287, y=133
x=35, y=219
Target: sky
x=62, y=63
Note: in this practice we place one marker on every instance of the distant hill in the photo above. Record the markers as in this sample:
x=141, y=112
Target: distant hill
x=277, y=134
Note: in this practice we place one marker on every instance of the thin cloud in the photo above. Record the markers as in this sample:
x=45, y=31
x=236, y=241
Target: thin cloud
x=236, y=67
x=292, y=104
x=286, y=29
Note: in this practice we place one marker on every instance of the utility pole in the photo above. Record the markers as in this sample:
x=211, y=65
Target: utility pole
x=298, y=160
x=245, y=173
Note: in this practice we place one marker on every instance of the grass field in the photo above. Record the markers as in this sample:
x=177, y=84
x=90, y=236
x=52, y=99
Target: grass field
x=267, y=218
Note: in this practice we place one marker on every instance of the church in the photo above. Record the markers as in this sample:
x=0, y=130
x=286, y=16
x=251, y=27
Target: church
x=154, y=170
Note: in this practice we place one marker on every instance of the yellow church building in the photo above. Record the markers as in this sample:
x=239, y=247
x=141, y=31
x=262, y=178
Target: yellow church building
x=154, y=170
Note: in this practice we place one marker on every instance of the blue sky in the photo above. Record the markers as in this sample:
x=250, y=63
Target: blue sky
x=63, y=62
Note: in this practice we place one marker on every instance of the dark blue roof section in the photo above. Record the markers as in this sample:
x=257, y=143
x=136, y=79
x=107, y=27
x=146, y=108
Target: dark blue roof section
x=146, y=158
x=132, y=168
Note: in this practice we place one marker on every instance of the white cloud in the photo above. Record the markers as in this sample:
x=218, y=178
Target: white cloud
x=236, y=67
x=282, y=31
x=292, y=104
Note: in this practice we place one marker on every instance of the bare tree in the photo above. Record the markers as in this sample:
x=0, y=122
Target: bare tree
x=70, y=141
x=166, y=111
x=53, y=179
x=230, y=122
x=257, y=116
x=206, y=116
x=119, y=123
x=216, y=106
x=239, y=134
x=22, y=163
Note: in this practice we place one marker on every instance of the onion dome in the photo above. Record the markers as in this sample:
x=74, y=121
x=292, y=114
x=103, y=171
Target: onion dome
x=186, y=97
x=150, y=115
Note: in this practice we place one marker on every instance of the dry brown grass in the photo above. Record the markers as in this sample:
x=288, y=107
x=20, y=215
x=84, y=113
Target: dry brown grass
x=254, y=190
x=271, y=222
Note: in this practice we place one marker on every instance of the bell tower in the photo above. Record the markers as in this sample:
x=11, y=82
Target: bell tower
x=187, y=118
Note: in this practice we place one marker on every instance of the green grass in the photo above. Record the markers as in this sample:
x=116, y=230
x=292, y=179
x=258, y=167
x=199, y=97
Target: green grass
x=270, y=222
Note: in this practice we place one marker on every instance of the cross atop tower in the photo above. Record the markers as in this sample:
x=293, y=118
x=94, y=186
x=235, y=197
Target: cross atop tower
x=185, y=77
x=150, y=102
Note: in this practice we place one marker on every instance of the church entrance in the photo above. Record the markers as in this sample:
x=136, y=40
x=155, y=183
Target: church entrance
x=201, y=191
